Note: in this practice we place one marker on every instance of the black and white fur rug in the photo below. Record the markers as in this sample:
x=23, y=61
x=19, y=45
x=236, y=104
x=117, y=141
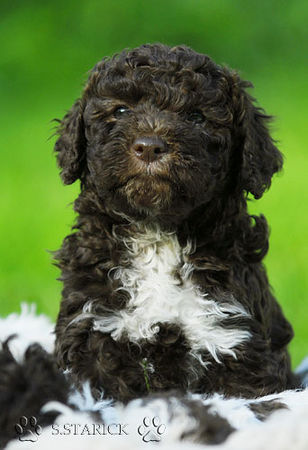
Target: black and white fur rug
x=72, y=419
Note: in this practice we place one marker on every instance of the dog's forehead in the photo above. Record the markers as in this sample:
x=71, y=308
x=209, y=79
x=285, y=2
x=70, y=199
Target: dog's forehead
x=176, y=85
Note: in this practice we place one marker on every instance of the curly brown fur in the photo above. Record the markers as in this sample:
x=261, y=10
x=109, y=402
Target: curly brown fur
x=211, y=429
x=263, y=410
x=211, y=148
x=26, y=386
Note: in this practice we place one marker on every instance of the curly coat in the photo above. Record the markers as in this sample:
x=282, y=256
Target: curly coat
x=164, y=285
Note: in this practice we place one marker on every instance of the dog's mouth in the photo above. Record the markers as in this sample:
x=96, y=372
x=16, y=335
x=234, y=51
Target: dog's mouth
x=147, y=180
x=146, y=190
x=152, y=174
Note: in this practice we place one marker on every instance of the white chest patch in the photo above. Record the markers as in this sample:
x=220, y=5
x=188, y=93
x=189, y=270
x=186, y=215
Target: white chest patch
x=158, y=281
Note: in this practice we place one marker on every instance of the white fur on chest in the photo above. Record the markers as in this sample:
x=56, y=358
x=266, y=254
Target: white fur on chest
x=161, y=291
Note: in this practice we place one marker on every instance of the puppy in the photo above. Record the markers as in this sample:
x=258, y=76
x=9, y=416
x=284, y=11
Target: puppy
x=164, y=286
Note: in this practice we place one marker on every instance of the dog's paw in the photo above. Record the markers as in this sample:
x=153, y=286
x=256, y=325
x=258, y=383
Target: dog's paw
x=28, y=429
x=151, y=430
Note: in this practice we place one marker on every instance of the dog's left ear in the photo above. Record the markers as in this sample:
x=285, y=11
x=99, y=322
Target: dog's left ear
x=71, y=144
x=260, y=158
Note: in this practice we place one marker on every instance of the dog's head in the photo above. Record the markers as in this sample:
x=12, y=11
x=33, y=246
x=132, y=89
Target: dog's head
x=162, y=130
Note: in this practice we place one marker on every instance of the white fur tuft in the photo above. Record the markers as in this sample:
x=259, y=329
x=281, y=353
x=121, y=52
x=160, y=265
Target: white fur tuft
x=158, y=295
x=29, y=329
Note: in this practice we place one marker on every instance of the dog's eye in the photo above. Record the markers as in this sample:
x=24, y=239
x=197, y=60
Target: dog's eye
x=121, y=110
x=195, y=116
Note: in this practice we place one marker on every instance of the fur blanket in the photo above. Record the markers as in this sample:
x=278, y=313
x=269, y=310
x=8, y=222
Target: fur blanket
x=78, y=421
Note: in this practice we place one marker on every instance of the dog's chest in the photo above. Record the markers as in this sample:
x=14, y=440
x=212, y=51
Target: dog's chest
x=157, y=275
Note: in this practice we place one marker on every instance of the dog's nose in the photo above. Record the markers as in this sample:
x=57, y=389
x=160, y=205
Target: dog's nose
x=149, y=148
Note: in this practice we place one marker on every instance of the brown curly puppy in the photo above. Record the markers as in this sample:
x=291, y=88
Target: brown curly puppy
x=164, y=285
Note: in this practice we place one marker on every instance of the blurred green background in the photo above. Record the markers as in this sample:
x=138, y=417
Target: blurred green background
x=46, y=50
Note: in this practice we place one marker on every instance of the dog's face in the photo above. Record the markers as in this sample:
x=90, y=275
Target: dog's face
x=152, y=142
x=161, y=131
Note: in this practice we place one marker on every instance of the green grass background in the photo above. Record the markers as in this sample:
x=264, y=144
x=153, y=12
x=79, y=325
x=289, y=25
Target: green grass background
x=46, y=49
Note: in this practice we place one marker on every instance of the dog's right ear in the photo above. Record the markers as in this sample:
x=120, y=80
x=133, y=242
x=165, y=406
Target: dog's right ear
x=71, y=144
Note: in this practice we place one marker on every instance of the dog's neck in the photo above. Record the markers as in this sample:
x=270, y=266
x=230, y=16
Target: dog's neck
x=214, y=228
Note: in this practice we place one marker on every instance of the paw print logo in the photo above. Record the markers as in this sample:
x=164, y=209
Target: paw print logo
x=28, y=429
x=151, y=430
